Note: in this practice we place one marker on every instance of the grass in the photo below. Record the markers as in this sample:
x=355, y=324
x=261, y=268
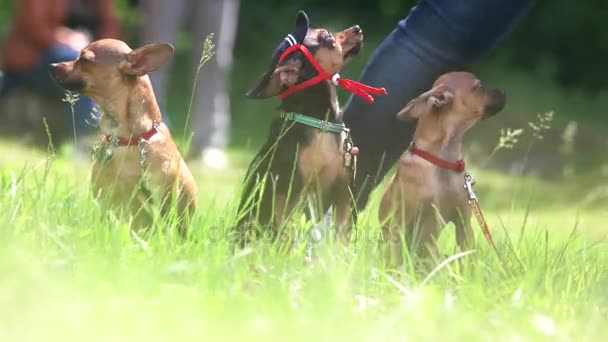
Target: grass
x=70, y=272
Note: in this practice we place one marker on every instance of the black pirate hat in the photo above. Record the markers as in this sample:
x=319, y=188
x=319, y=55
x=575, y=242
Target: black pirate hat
x=295, y=37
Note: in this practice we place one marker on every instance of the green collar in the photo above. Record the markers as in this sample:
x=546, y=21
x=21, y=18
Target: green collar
x=323, y=125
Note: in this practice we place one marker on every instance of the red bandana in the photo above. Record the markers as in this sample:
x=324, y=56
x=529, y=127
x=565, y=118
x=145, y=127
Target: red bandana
x=354, y=87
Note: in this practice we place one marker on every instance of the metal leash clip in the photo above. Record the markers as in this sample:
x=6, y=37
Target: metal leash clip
x=144, y=147
x=101, y=152
x=469, y=182
x=350, y=153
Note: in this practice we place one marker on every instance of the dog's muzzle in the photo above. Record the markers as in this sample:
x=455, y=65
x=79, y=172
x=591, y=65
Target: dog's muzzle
x=496, y=102
x=64, y=79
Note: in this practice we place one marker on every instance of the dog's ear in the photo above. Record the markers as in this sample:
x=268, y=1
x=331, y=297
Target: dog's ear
x=438, y=97
x=273, y=82
x=302, y=25
x=285, y=74
x=146, y=59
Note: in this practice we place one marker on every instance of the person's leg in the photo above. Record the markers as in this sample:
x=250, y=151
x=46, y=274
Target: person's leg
x=6, y=84
x=38, y=80
x=162, y=22
x=436, y=37
x=211, y=110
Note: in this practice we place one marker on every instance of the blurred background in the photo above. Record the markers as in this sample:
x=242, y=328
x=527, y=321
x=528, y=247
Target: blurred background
x=553, y=62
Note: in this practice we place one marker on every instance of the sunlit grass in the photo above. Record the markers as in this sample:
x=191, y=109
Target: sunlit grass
x=71, y=272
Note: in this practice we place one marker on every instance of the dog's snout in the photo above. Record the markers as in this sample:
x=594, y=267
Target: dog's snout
x=55, y=71
x=63, y=75
x=53, y=67
x=357, y=29
x=496, y=102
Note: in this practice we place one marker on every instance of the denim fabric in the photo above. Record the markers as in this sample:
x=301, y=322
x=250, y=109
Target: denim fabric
x=37, y=79
x=437, y=36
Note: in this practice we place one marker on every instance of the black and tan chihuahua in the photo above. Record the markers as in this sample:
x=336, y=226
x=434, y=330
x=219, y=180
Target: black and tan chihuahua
x=309, y=153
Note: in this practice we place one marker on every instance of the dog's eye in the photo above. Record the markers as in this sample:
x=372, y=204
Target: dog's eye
x=328, y=40
x=85, y=60
x=86, y=57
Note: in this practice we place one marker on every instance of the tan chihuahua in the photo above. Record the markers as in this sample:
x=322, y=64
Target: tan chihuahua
x=137, y=160
x=429, y=184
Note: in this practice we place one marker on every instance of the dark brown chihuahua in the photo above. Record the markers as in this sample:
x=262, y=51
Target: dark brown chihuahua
x=309, y=157
x=429, y=184
x=136, y=145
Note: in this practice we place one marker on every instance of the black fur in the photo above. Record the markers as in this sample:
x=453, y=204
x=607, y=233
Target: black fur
x=276, y=162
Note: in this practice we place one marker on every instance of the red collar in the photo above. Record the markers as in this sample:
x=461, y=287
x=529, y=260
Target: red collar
x=457, y=166
x=355, y=87
x=132, y=141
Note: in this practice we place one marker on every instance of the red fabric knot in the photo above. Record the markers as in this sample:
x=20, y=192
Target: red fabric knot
x=458, y=166
x=354, y=87
x=461, y=165
x=335, y=79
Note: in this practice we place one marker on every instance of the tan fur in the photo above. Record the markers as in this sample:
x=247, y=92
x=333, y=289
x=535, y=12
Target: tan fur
x=116, y=78
x=322, y=162
x=421, y=196
x=323, y=171
x=331, y=58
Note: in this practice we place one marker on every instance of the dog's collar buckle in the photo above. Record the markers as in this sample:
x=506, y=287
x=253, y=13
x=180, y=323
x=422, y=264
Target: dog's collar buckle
x=324, y=126
x=113, y=140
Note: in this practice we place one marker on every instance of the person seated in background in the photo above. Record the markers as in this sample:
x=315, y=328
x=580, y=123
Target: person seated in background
x=51, y=31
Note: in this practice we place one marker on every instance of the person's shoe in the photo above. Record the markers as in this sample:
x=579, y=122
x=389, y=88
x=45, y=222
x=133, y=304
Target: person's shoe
x=214, y=157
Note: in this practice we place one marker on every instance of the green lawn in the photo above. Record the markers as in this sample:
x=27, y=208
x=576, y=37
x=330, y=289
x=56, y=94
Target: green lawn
x=69, y=272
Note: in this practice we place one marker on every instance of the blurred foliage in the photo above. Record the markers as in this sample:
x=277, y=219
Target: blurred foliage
x=564, y=40
x=560, y=40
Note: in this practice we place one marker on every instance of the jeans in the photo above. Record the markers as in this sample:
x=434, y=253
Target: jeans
x=38, y=80
x=436, y=37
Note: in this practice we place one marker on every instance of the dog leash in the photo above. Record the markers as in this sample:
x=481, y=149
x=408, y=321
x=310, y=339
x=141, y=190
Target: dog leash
x=354, y=87
x=469, y=182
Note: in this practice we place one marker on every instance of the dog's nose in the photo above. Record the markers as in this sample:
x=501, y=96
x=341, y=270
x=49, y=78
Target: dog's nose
x=357, y=29
x=53, y=69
